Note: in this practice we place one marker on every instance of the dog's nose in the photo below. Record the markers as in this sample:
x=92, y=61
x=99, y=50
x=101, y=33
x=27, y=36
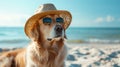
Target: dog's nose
x=58, y=28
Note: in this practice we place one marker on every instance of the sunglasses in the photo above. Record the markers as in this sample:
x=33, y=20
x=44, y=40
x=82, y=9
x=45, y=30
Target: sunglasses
x=48, y=20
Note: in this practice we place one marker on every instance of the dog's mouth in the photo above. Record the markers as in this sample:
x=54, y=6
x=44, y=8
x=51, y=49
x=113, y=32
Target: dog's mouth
x=49, y=39
x=56, y=37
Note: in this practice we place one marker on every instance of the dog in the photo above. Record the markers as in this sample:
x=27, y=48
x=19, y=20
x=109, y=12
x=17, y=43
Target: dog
x=47, y=32
x=47, y=48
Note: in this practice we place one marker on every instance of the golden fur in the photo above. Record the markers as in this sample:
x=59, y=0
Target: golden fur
x=41, y=52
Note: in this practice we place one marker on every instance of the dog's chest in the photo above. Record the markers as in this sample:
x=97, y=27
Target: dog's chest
x=48, y=58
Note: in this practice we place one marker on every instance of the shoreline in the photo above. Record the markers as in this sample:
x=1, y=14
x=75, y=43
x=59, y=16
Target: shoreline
x=97, y=45
x=93, y=44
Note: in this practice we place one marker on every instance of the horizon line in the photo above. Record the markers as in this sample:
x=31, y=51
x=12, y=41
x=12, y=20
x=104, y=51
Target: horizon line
x=68, y=27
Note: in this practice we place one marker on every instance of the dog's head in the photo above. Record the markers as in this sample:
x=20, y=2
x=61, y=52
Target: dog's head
x=48, y=28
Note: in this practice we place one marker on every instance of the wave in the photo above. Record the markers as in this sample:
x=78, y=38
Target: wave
x=96, y=41
x=104, y=41
x=14, y=41
x=101, y=41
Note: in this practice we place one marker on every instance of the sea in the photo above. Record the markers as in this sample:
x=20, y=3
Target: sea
x=15, y=37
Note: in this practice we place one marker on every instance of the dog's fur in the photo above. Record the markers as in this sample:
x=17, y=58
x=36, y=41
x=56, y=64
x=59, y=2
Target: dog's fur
x=41, y=52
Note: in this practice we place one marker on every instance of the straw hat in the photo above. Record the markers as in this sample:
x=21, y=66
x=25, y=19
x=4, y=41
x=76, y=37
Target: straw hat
x=44, y=10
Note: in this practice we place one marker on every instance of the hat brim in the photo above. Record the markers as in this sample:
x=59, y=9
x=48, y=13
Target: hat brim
x=32, y=20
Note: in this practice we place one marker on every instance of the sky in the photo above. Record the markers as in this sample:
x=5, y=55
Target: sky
x=85, y=13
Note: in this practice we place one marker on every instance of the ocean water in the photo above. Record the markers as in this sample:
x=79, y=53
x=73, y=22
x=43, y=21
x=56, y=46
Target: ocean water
x=15, y=36
x=95, y=35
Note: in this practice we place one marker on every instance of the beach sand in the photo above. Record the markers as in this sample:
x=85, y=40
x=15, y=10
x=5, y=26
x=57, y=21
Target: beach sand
x=91, y=55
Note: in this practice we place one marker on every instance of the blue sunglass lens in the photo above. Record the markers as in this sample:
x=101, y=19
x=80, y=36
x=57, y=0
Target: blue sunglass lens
x=47, y=20
x=59, y=20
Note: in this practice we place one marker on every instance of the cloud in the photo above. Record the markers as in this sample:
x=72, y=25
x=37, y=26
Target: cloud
x=99, y=19
x=13, y=19
x=104, y=19
x=109, y=18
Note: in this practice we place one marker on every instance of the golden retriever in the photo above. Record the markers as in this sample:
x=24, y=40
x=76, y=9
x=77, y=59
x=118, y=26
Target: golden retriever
x=47, y=48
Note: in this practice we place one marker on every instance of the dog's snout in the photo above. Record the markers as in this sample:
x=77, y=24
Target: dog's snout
x=58, y=31
x=58, y=28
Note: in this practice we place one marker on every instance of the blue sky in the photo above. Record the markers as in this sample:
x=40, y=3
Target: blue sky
x=86, y=13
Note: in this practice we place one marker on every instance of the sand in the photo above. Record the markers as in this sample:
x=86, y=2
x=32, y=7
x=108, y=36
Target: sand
x=91, y=55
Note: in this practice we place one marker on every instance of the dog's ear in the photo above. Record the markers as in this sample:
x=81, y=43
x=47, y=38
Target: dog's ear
x=35, y=32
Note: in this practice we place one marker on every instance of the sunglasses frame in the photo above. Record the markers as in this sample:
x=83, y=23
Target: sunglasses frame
x=47, y=20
